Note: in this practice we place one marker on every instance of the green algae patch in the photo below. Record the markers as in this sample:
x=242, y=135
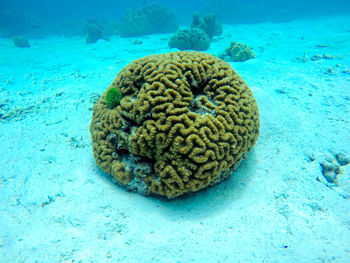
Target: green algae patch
x=113, y=97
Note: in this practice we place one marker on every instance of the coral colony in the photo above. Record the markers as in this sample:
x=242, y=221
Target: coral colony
x=181, y=122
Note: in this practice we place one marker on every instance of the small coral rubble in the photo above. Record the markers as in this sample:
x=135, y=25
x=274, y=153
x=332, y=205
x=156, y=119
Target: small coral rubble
x=237, y=52
x=184, y=122
x=95, y=32
x=20, y=41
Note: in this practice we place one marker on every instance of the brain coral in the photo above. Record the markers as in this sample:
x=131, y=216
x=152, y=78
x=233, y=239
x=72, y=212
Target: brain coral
x=184, y=122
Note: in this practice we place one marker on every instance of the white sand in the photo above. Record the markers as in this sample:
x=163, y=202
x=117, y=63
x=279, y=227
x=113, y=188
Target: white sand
x=57, y=206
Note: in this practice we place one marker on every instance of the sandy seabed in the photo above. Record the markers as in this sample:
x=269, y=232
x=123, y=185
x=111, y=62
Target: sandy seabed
x=289, y=201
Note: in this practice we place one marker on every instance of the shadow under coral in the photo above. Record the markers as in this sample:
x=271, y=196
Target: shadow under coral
x=205, y=203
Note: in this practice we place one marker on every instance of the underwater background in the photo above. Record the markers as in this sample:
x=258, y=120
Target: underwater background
x=40, y=18
x=288, y=200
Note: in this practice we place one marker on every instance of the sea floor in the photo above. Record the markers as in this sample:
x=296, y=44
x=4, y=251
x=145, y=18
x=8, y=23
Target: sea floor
x=289, y=201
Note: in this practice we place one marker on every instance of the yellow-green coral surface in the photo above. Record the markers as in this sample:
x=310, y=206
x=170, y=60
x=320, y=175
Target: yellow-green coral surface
x=238, y=52
x=184, y=122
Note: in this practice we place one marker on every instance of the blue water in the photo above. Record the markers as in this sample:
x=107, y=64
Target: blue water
x=39, y=18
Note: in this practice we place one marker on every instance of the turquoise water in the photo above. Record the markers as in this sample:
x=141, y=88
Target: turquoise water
x=287, y=201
